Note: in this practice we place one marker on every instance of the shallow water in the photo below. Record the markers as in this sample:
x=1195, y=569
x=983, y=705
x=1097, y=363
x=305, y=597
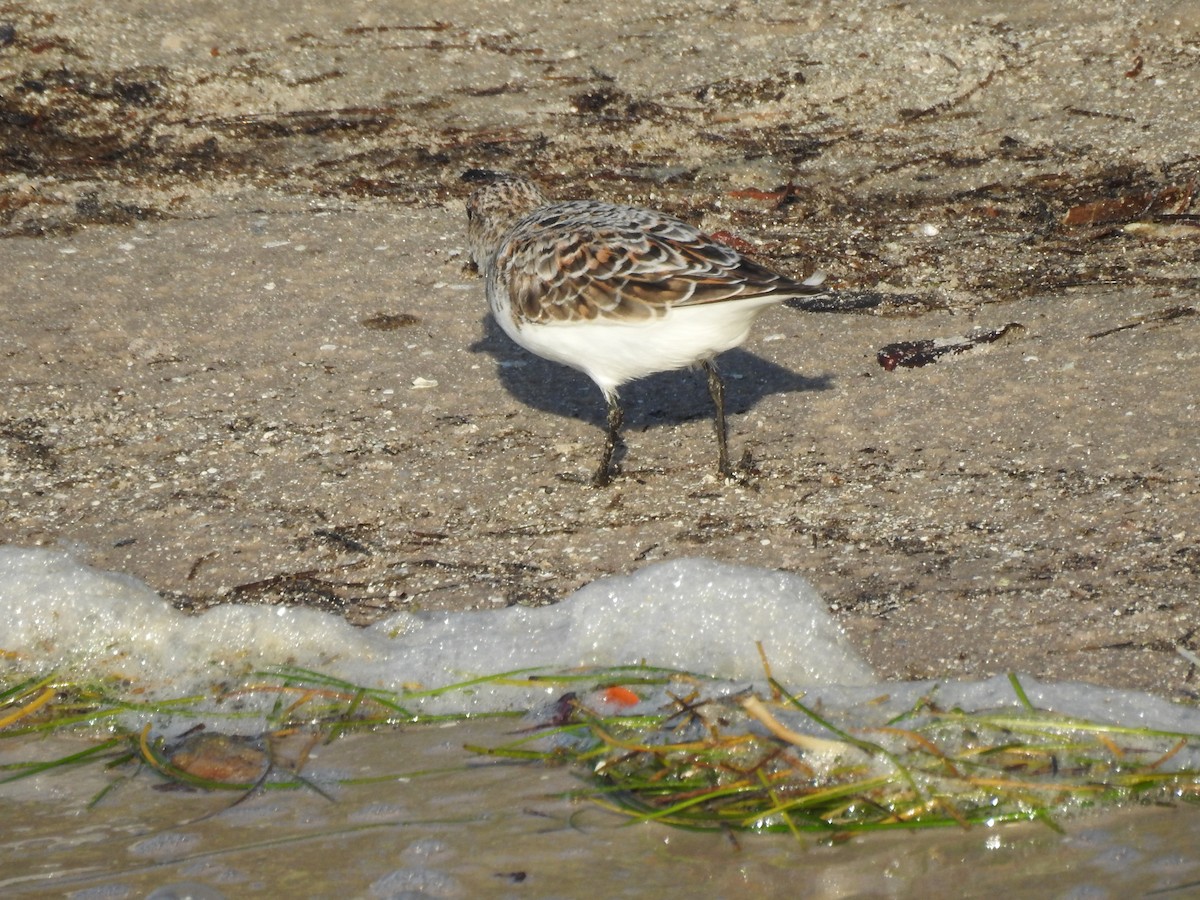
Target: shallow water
x=504, y=830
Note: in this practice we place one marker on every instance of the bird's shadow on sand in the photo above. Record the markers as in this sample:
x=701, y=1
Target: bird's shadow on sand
x=666, y=398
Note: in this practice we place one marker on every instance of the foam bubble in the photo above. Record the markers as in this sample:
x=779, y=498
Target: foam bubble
x=690, y=614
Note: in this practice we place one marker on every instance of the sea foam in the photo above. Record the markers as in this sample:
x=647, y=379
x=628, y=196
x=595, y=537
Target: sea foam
x=690, y=614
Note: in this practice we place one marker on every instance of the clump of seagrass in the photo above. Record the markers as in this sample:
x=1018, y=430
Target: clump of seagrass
x=653, y=744
x=739, y=761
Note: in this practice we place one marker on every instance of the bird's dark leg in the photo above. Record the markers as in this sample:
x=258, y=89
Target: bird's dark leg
x=615, y=417
x=716, y=390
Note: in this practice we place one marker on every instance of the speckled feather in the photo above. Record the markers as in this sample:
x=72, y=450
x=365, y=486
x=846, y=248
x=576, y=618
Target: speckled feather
x=587, y=260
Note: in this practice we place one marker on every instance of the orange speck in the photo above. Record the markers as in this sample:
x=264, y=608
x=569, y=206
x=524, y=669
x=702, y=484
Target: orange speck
x=620, y=696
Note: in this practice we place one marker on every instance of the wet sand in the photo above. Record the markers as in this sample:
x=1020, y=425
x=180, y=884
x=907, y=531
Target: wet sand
x=243, y=359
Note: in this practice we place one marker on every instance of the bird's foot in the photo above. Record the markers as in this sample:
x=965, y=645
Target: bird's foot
x=602, y=477
x=740, y=473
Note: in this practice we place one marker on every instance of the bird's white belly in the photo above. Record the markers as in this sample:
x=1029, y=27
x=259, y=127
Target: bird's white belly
x=612, y=352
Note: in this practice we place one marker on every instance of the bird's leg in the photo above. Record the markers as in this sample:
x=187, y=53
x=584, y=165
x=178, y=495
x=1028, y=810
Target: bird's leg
x=615, y=417
x=716, y=390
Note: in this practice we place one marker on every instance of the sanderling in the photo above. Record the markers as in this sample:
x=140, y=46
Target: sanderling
x=618, y=292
